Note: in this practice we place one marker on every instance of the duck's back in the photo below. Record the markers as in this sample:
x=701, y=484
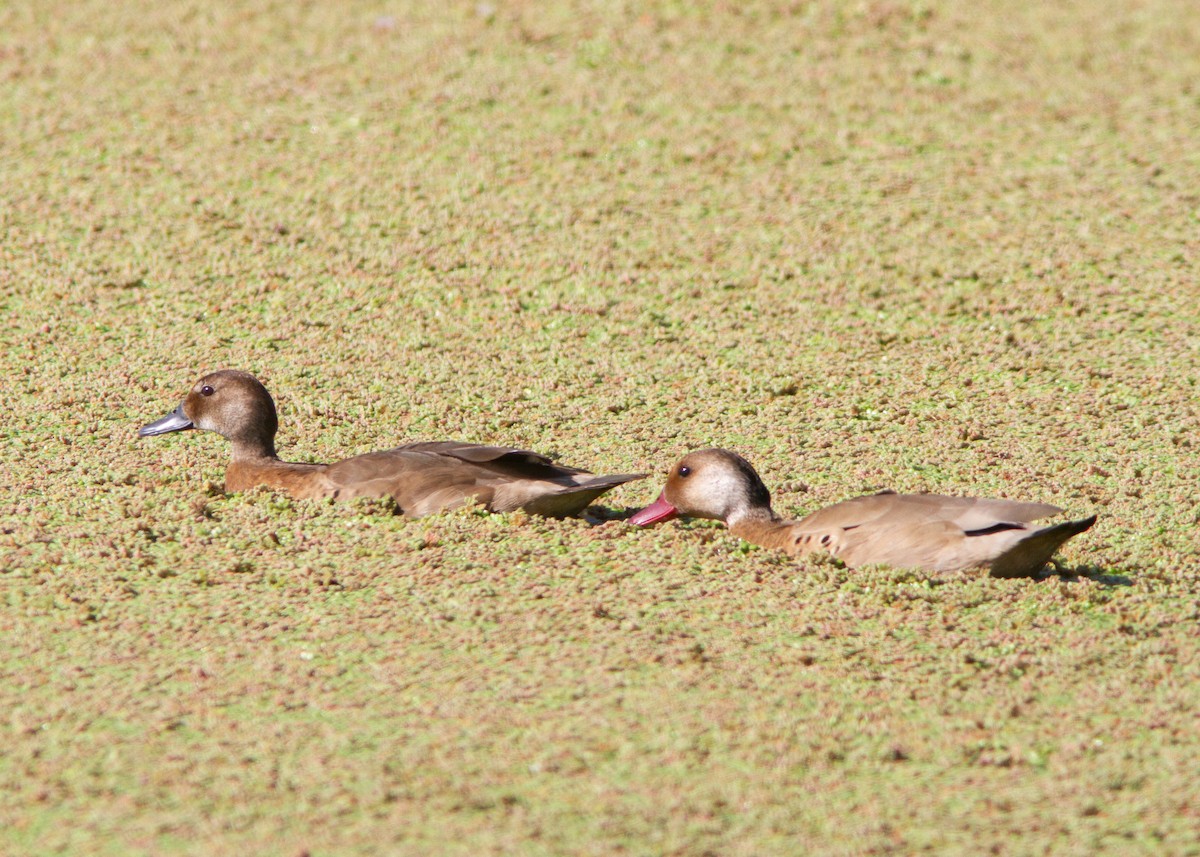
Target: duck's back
x=429, y=477
x=930, y=531
x=890, y=508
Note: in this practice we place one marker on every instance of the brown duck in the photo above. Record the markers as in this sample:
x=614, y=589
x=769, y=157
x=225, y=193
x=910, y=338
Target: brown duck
x=421, y=477
x=925, y=531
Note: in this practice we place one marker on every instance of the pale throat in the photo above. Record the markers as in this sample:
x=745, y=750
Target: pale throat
x=744, y=513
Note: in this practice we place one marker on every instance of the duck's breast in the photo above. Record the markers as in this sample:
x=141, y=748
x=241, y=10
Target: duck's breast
x=301, y=481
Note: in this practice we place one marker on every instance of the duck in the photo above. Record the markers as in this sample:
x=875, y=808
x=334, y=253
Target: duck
x=929, y=532
x=422, y=478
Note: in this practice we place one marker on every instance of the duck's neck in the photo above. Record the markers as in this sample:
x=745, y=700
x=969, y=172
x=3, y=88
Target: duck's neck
x=254, y=465
x=763, y=527
x=254, y=450
x=254, y=462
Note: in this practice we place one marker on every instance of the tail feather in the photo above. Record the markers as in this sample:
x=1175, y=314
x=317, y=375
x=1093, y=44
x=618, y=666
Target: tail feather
x=1029, y=555
x=573, y=499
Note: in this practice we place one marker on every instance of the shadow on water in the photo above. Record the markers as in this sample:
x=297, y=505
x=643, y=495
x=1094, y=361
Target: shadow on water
x=1094, y=573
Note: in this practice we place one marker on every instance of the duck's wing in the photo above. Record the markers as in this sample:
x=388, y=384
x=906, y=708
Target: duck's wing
x=888, y=508
x=419, y=482
x=929, y=531
x=424, y=478
x=522, y=463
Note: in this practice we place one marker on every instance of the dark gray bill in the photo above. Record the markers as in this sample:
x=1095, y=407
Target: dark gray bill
x=174, y=421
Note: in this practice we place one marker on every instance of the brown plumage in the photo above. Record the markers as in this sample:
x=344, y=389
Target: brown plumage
x=421, y=477
x=926, y=531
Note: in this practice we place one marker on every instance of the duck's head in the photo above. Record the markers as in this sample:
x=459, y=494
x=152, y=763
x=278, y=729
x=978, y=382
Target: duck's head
x=232, y=403
x=710, y=483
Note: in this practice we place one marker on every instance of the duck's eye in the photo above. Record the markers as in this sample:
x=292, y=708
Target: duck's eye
x=685, y=471
x=207, y=390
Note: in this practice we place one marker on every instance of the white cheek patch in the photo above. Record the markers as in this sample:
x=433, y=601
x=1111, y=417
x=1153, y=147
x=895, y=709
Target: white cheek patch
x=724, y=491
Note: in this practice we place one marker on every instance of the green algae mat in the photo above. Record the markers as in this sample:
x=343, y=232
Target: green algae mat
x=927, y=246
